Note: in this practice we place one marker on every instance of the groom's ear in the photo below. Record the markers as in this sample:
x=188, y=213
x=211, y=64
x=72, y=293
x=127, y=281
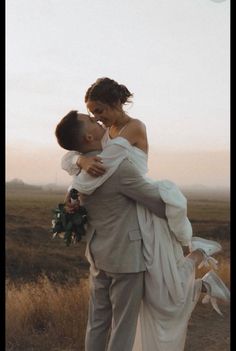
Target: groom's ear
x=88, y=137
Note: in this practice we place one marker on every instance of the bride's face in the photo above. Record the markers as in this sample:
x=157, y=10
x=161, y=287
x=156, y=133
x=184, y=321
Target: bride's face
x=103, y=112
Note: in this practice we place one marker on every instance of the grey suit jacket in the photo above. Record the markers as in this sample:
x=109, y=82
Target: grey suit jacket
x=113, y=235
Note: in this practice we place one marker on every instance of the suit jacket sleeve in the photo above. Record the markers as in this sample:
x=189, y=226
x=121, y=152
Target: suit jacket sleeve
x=133, y=185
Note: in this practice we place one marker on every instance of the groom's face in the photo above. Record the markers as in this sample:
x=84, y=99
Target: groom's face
x=92, y=127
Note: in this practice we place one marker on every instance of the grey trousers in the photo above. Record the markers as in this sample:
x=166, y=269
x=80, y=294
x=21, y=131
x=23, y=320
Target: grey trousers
x=114, y=305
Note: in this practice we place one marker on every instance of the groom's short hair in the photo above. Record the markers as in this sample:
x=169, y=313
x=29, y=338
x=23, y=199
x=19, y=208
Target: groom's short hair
x=70, y=131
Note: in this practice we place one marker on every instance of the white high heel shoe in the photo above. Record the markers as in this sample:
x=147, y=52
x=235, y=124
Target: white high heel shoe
x=216, y=289
x=208, y=248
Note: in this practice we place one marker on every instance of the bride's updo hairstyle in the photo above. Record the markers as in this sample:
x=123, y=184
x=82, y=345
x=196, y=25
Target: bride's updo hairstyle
x=108, y=91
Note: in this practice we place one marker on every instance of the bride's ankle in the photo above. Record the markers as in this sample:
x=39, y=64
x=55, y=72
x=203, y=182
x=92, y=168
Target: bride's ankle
x=204, y=289
x=197, y=256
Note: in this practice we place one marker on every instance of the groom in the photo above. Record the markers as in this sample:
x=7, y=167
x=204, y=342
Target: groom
x=114, y=240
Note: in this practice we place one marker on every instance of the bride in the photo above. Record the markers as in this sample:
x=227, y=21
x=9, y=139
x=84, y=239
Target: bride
x=171, y=290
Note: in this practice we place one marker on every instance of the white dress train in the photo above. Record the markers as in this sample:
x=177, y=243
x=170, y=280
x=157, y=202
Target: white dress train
x=171, y=290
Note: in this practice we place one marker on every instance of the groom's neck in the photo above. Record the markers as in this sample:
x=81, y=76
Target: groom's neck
x=92, y=153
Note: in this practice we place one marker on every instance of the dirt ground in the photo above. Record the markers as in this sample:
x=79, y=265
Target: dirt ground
x=208, y=331
x=30, y=251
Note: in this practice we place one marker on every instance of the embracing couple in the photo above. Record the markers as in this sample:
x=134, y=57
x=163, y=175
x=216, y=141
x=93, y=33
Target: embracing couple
x=139, y=240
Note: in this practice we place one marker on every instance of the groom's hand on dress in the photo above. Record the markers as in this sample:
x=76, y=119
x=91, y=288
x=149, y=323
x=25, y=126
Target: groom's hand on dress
x=92, y=165
x=70, y=205
x=71, y=208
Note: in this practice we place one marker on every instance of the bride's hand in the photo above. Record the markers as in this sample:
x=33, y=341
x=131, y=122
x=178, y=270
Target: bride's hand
x=92, y=165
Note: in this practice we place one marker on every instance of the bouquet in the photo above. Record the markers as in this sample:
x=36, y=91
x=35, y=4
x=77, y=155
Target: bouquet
x=71, y=224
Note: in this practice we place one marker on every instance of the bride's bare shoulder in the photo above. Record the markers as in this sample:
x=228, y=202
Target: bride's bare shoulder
x=135, y=122
x=136, y=134
x=135, y=126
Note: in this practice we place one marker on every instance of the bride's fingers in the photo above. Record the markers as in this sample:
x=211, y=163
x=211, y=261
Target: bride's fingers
x=93, y=173
x=98, y=159
x=98, y=168
x=96, y=171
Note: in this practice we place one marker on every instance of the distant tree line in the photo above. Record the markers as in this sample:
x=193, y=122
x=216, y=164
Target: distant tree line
x=19, y=184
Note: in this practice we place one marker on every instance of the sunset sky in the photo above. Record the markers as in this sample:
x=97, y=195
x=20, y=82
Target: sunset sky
x=172, y=54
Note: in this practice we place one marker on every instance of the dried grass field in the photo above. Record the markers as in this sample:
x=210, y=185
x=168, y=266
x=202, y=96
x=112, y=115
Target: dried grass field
x=47, y=285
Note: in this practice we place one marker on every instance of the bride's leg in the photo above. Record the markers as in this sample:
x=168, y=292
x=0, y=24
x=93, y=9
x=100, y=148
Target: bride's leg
x=196, y=256
x=208, y=248
x=212, y=284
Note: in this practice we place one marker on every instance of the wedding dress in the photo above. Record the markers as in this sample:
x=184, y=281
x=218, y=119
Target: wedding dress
x=171, y=290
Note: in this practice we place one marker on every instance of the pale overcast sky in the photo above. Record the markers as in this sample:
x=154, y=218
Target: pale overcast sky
x=172, y=54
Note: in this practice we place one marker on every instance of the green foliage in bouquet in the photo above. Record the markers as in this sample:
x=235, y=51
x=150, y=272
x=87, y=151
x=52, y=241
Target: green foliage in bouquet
x=72, y=224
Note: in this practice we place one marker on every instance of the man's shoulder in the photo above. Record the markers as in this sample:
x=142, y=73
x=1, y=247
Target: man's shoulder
x=125, y=170
x=125, y=163
x=127, y=167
